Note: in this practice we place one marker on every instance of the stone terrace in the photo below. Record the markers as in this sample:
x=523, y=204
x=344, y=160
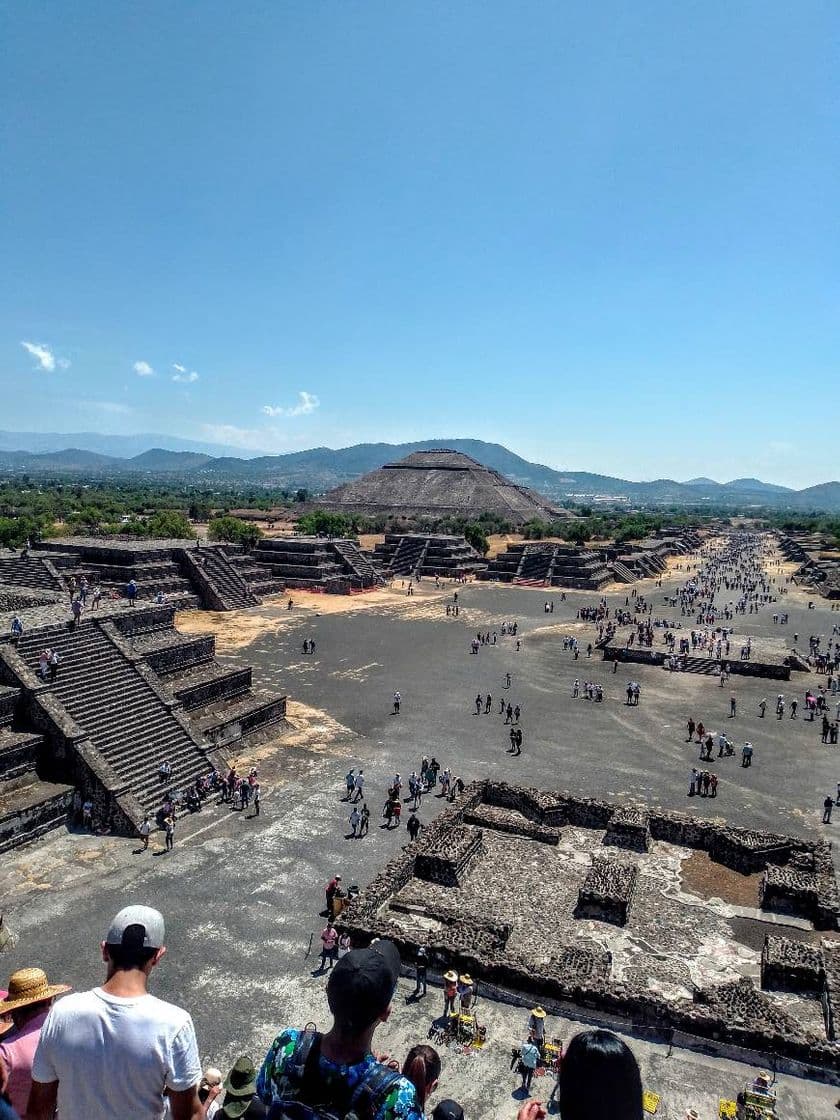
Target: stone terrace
x=527, y=891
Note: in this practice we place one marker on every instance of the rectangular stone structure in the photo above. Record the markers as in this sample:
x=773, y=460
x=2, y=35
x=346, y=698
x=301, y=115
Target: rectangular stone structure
x=607, y=891
x=446, y=862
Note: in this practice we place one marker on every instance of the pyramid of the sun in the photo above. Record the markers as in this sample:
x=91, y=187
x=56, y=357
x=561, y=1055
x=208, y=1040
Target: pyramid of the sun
x=439, y=483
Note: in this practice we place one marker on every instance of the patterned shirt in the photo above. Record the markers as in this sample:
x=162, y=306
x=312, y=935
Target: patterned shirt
x=398, y=1104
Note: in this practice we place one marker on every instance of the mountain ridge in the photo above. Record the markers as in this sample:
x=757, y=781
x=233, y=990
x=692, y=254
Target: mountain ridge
x=322, y=468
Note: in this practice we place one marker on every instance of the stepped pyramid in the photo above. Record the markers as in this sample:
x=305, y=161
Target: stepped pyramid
x=439, y=483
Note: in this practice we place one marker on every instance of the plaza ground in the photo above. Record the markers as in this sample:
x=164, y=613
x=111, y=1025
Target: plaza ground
x=242, y=895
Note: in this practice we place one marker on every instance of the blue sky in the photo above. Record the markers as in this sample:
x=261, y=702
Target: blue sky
x=604, y=235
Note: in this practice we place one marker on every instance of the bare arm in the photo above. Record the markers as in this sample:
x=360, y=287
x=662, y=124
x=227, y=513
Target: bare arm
x=184, y=1105
x=42, y=1100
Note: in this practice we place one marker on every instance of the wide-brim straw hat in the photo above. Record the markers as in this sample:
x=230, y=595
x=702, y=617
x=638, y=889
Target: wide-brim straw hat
x=30, y=985
x=538, y=1012
x=451, y=976
x=466, y=979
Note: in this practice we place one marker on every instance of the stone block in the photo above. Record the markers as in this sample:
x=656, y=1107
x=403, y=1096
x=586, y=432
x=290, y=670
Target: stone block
x=607, y=891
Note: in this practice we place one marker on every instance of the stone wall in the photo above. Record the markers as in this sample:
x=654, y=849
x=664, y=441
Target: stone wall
x=32, y=821
x=791, y=966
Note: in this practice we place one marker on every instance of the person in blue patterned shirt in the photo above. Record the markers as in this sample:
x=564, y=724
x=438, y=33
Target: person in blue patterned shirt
x=307, y=1076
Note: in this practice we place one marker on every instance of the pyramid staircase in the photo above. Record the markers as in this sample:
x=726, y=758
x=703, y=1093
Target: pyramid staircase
x=127, y=719
x=222, y=585
x=358, y=563
x=29, y=571
x=258, y=578
x=130, y=693
x=409, y=556
x=622, y=573
x=316, y=564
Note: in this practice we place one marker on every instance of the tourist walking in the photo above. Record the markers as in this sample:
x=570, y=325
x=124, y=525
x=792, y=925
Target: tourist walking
x=145, y=828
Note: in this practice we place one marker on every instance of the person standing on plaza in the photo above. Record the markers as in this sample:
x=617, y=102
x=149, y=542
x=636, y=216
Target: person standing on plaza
x=413, y=826
x=529, y=1057
x=169, y=829
x=329, y=945
x=355, y=820
x=421, y=966
x=119, y=1026
x=145, y=828
x=256, y=793
x=365, y=821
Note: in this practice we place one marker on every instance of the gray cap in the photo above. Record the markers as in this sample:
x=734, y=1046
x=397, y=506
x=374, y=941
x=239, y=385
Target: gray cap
x=137, y=927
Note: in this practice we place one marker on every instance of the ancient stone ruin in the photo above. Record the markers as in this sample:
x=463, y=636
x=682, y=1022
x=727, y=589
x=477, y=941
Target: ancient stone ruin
x=581, y=901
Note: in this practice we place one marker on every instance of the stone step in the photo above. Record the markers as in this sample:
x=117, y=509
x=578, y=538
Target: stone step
x=18, y=752
x=29, y=808
x=226, y=723
x=214, y=683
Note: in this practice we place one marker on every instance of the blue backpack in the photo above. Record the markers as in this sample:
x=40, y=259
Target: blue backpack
x=306, y=1094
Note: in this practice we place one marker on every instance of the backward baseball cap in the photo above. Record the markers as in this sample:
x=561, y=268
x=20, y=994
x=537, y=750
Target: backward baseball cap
x=137, y=927
x=363, y=983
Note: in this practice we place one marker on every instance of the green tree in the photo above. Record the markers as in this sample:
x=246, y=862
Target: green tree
x=199, y=511
x=476, y=536
x=170, y=523
x=577, y=532
x=234, y=530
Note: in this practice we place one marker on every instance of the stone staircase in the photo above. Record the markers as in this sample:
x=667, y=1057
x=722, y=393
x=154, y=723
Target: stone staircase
x=622, y=573
x=222, y=586
x=365, y=573
x=409, y=555
x=127, y=719
x=705, y=666
x=535, y=567
x=446, y=556
x=258, y=577
x=28, y=571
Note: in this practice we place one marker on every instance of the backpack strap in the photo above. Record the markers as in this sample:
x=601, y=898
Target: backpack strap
x=372, y=1090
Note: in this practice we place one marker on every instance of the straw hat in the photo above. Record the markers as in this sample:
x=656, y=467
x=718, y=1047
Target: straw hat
x=451, y=976
x=30, y=985
x=538, y=1012
x=466, y=979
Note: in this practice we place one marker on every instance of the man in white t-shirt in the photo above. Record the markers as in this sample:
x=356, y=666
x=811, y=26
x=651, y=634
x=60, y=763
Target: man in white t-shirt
x=117, y=1051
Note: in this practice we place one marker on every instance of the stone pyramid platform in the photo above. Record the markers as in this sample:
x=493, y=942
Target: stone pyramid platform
x=440, y=483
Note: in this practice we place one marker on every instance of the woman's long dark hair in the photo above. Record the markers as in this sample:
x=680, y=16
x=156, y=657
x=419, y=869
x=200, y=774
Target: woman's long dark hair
x=600, y=1079
x=422, y=1068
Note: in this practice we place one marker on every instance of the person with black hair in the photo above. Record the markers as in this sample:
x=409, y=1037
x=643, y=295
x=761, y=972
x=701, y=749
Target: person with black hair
x=307, y=1073
x=422, y=1068
x=118, y=1050
x=599, y=1077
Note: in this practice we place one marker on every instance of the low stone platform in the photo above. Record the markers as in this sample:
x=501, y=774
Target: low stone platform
x=556, y=915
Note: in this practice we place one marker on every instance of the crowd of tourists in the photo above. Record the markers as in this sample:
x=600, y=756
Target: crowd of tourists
x=119, y=1051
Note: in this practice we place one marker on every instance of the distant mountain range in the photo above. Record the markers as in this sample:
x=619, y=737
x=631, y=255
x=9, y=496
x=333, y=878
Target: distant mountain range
x=322, y=468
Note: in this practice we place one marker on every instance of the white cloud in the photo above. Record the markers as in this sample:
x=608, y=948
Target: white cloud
x=307, y=402
x=184, y=377
x=250, y=439
x=143, y=369
x=44, y=357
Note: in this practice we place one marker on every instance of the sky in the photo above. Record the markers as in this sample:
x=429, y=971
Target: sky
x=604, y=235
